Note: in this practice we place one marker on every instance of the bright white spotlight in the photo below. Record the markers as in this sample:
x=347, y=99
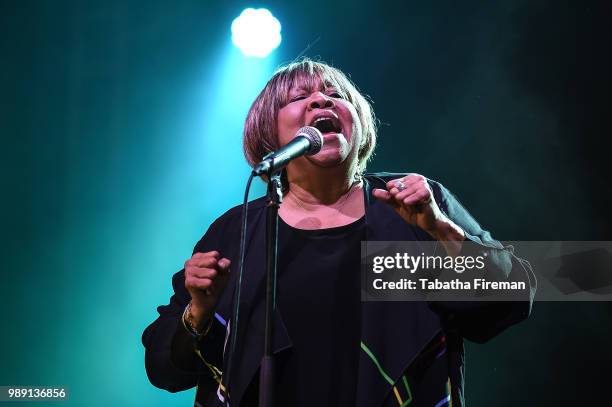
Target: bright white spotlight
x=256, y=32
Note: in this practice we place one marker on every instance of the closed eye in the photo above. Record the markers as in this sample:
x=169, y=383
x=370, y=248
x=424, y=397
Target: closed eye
x=335, y=95
x=296, y=98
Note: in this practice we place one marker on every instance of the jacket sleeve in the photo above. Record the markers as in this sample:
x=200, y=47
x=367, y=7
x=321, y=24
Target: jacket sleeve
x=480, y=321
x=174, y=359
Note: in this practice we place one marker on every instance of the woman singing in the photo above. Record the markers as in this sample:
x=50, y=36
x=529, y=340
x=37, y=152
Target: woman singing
x=331, y=348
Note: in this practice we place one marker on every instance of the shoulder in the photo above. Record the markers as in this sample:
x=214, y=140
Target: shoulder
x=226, y=228
x=232, y=217
x=234, y=213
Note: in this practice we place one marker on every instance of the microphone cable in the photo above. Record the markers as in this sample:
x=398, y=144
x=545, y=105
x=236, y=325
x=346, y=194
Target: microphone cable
x=236, y=309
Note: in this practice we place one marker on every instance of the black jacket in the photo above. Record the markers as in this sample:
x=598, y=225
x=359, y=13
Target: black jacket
x=411, y=351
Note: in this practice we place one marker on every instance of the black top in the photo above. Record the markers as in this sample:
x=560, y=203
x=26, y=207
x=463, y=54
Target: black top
x=319, y=300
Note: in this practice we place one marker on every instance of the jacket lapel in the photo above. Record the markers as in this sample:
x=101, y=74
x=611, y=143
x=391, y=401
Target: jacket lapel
x=392, y=333
x=249, y=349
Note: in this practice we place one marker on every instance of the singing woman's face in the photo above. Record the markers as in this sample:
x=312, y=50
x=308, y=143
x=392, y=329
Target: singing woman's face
x=325, y=109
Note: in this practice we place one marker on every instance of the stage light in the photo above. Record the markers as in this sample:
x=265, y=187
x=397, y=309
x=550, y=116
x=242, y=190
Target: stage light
x=256, y=32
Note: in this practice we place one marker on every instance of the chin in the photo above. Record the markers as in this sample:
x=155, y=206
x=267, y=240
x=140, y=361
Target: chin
x=328, y=158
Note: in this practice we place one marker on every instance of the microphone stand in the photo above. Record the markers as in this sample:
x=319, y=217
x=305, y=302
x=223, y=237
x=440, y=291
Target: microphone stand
x=267, y=373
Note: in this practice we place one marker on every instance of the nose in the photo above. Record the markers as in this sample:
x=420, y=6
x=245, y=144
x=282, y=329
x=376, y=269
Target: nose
x=319, y=100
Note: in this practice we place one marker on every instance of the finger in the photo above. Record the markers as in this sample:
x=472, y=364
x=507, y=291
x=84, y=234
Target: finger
x=407, y=180
x=223, y=265
x=201, y=261
x=419, y=197
x=201, y=255
x=381, y=194
x=393, y=183
x=213, y=253
x=413, y=178
x=401, y=186
x=411, y=189
x=201, y=272
x=200, y=283
x=385, y=196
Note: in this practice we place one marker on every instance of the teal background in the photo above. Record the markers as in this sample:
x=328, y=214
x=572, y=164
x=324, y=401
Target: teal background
x=121, y=125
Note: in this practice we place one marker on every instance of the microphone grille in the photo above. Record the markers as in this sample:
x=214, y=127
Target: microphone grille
x=314, y=135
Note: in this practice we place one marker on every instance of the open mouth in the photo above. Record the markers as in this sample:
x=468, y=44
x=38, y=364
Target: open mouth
x=327, y=124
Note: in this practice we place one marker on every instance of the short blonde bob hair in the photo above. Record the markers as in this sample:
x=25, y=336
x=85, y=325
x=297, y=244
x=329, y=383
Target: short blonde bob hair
x=261, y=128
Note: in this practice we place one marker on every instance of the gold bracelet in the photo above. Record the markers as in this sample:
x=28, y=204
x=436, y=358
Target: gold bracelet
x=190, y=326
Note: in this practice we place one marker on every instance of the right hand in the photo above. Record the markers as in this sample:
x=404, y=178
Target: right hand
x=206, y=276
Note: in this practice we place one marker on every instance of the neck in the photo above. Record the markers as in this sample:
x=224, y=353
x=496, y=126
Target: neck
x=321, y=186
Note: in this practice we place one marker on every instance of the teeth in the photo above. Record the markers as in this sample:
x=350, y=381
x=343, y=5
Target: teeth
x=326, y=124
x=320, y=119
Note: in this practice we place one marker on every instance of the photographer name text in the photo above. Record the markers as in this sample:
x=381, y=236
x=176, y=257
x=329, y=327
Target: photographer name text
x=456, y=284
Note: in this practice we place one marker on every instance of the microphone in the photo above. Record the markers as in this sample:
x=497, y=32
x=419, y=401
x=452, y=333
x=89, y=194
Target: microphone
x=307, y=141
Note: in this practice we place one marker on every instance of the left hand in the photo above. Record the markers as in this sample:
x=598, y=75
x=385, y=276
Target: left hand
x=413, y=200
